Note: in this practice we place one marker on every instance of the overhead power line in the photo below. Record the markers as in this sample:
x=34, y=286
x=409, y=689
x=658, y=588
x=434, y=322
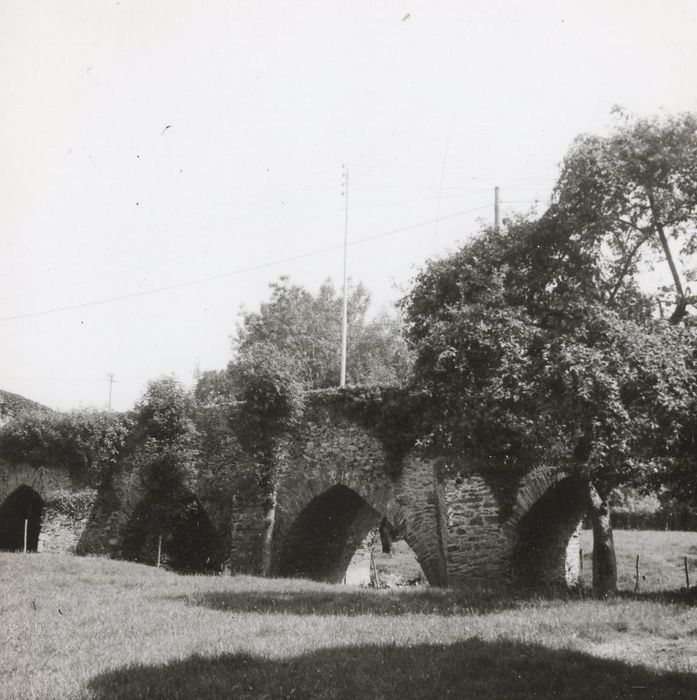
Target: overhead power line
x=241, y=270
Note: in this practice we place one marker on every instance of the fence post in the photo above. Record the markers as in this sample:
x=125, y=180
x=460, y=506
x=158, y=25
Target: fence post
x=159, y=550
x=687, y=574
x=26, y=523
x=636, y=585
x=580, y=562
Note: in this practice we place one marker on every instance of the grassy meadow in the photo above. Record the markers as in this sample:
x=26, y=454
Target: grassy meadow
x=661, y=559
x=74, y=627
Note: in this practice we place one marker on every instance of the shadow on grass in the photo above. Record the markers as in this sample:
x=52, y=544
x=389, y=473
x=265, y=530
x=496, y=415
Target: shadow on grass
x=683, y=596
x=468, y=669
x=394, y=602
x=354, y=602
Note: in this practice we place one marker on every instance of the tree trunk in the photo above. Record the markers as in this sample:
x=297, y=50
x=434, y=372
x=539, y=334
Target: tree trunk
x=386, y=536
x=267, y=534
x=681, y=301
x=604, y=563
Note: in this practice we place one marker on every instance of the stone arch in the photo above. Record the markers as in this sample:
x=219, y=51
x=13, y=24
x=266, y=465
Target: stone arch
x=320, y=542
x=45, y=482
x=189, y=542
x=24, y=504
x=543, y=528
x=66, y=503
x=339, y=464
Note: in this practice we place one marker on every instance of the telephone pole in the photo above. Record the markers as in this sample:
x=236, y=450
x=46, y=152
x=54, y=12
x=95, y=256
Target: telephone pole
x=497, y=220
x=111, y=380
x=344, y=310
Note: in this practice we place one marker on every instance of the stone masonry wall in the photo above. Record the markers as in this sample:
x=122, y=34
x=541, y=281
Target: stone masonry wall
x=67, y=505
x=477, y=551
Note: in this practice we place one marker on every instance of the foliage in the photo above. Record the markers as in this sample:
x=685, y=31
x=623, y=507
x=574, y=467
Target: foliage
x=226, y=470
x=168, y=452
x=631, y=193
x=269, y=403
x=212, y=388
x=392, y=414
x=12, y=404
x=524, y=363
x=86, y=443
x=165, y=444
x=307, y=328
x=76, y=505
x=164, y=411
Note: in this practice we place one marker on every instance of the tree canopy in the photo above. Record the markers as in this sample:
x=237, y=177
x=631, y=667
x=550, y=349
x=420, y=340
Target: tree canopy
x=633, y=194
x=306, y=328
x=525, y=363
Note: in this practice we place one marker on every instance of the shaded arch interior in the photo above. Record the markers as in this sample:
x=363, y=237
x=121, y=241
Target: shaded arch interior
x=320, y=543
x=540, y=555
x=190, y=542
x=22, y=504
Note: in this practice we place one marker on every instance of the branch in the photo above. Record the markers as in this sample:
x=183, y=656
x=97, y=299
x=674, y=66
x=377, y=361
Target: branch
x=681, y=304
x=631, y=224
x=628, y=261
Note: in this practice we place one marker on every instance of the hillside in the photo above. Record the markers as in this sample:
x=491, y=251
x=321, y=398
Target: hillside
x=12, y=404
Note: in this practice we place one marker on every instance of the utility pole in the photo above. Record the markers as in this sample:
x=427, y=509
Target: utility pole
x=497, y=220
x=344, y=311
x=111, y=380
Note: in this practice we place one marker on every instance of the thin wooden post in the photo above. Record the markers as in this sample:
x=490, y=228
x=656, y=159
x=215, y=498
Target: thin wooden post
x=26, y=524
x=580, y=561
x=159, y=550
x=374, y=580
x=687, y=574
x=636, y=585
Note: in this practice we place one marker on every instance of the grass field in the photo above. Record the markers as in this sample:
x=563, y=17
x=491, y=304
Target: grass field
x=661, y=559
x=75, y=627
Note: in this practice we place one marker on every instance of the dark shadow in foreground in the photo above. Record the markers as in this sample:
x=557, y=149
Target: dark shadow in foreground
x=468, y=669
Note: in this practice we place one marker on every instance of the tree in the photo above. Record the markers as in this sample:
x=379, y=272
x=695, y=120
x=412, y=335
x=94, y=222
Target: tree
x=525, y=364
x=634, y=193
x=307, y=327
x=167, y=454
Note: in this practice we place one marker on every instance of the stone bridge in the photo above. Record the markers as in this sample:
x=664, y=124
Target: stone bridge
x=469, y=525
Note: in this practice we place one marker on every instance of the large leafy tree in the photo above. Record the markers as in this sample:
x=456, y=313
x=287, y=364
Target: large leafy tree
x=307, y=328
x=634, y=193
x=526, y=362
x=631, y=198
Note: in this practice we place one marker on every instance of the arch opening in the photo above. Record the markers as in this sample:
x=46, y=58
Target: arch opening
x=546, y=550
x=189, y=544
x=22, y=504
x=385, y=559
x=323, y=538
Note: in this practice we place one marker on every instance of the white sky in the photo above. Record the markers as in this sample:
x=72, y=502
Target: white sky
x=266, y=100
